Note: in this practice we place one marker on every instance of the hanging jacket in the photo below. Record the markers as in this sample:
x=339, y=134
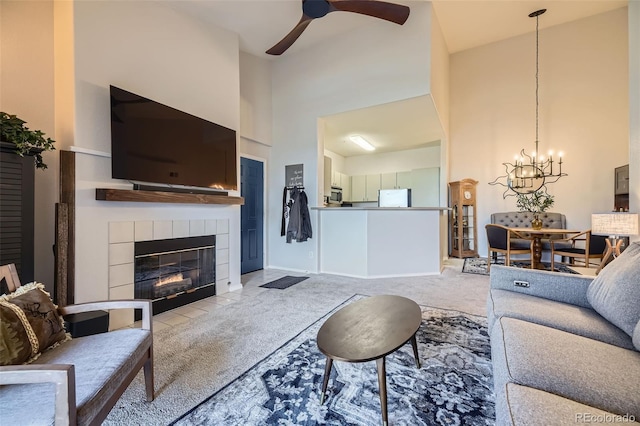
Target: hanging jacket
x=304, y=232
x=293, y=227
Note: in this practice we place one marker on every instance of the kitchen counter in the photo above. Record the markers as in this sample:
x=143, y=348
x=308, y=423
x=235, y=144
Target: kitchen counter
x=371, y=242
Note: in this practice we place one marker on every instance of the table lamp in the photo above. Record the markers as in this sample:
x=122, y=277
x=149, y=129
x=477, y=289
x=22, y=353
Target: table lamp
x=614, y=225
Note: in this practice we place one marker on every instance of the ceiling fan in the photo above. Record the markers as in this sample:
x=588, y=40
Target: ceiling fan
x=313, y=9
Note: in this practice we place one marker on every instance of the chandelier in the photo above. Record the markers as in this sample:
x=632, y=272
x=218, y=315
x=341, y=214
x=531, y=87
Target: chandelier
x=530, y=172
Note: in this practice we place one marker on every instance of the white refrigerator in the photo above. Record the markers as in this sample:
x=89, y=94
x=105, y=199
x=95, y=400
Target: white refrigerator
x=394, y=198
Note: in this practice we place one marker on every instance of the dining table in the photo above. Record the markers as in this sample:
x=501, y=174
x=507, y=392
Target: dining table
x=537, y=235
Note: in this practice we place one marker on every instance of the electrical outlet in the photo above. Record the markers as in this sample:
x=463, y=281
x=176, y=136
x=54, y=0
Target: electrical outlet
x=521, y=283
x=310, y=255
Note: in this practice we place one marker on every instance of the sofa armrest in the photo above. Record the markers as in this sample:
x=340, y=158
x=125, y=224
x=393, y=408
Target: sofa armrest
x=145, y=305
x=61, y=375
x=561, y=287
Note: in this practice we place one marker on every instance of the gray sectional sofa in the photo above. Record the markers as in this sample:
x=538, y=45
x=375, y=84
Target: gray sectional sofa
x=566, y=348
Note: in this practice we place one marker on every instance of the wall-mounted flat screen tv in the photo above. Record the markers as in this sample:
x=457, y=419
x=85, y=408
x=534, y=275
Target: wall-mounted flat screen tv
x=154, y=143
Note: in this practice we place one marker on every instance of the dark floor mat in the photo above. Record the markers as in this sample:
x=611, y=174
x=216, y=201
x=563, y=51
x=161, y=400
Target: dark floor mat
x=284, y=282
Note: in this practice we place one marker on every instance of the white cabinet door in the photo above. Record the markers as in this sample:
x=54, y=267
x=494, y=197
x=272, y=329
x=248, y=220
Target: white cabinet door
x=372, y=187
x=346, y=187
x=388, y=181
x=327, y=176
x=358, y=188
x=403, y=180
x=425, y=187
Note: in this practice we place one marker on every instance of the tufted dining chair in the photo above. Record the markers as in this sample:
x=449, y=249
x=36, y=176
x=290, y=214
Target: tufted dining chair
x=507, y=243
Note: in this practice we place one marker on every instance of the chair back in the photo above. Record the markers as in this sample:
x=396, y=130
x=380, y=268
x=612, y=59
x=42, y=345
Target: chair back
x=8, y=275
x=597, y=244
x=497, y=236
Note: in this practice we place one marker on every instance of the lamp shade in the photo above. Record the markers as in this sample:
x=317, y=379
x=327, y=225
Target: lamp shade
x=614, y=224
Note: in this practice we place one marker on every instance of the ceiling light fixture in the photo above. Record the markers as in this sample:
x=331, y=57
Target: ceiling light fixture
x=528, y=173
x=362, y=142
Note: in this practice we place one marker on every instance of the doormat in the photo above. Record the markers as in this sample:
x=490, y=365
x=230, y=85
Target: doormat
x=284, y=282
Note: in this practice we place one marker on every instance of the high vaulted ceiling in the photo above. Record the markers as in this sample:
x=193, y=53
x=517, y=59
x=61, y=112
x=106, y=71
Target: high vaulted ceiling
x=465, y=24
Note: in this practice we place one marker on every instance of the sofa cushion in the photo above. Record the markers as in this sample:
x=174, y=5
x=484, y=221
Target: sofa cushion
x=616, y=290
x=636, y=336
x=528, y=406
x=584, y=370
x=563, y=316
x=29, y=324
x=102, y=362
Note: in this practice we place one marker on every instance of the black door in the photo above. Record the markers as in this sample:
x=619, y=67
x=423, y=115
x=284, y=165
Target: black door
x=251, y=214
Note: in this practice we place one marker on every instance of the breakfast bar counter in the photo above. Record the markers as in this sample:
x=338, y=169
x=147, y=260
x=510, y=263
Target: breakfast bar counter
x=371, y=242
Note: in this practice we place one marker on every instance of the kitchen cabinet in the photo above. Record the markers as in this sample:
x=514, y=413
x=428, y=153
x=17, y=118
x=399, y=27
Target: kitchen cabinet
x=372, y=187
x=388, y=181
x=395, y=180
x=403, y=180
x=365, y=187
x=358, y=188
x=346, y=187
x=327, y=176
x=425, y=187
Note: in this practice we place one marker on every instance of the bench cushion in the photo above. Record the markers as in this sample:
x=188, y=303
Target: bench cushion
x=102, y=362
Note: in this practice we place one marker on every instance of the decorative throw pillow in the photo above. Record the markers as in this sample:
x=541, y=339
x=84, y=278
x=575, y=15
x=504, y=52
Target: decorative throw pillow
x=615, y=292
x=29, y=324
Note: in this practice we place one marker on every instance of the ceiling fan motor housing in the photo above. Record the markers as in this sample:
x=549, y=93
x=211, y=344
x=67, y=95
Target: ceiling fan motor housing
x=315, y=8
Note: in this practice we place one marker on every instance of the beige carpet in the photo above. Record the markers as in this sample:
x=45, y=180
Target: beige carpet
x=195, y=359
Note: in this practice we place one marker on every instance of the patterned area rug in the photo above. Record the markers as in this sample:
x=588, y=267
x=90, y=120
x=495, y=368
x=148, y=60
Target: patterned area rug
x=454, y=386
x=478, y=265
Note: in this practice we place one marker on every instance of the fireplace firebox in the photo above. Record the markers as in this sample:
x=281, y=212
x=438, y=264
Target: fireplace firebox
x=174, y=272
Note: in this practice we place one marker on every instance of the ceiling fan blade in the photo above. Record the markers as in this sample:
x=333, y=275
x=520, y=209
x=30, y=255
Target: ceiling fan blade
x=290, y=38
x=392, y=12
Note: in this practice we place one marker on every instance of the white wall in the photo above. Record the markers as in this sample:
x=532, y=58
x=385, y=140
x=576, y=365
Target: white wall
x=27, y=90
x=388, y=162
x=583, y=112
x=355, y=70
x=255, y=99
x=156, y=52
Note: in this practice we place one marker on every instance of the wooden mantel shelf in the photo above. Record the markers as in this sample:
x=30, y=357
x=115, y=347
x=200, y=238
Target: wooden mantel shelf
x=106, y=194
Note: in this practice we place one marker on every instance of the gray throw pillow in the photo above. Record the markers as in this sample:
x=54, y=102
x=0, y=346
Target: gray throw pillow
x=636, y=337
x=615, y=292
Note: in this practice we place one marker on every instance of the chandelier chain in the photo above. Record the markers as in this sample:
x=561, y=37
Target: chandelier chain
x=537, y=79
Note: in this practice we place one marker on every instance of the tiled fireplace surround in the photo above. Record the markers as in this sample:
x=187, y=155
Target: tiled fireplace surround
x=122, y=237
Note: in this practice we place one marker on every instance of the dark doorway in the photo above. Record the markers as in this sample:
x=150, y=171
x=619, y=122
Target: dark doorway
x=251, y=214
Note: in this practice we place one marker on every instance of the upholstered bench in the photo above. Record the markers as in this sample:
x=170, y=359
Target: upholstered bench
x=54, y=380
x=523, y=220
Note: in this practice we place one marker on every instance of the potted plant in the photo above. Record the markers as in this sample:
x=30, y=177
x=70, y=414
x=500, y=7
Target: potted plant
x=26, y=141
x=536, y=203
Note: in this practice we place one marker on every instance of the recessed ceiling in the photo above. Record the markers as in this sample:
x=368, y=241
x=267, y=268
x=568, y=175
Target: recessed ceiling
x=395, y=126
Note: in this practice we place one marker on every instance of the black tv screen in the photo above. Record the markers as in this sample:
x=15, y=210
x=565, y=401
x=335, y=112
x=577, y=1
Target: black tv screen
x=154, y=143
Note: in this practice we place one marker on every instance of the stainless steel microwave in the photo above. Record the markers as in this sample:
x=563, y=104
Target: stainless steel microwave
x=336, y=195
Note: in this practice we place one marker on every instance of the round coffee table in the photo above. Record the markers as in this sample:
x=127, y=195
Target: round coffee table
x=367, y=330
